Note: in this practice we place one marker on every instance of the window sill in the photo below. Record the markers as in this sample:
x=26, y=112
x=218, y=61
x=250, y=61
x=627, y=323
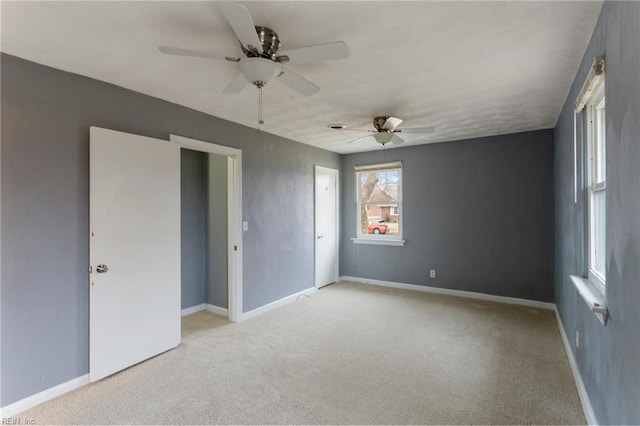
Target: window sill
x=378, y=242
x=592, y=296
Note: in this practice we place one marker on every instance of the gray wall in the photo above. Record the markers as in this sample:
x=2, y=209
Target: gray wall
x=193, y=226
x=217, y=284
x=479, y=212
x=609, y=356
x=46, y=114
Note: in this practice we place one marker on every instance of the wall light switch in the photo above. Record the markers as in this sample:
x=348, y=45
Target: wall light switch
x=245, y=226
x=432, y=273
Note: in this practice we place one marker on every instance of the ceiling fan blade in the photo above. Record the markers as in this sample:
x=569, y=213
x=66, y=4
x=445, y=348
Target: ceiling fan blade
x=423, y=130
x=297, y=83
x=362, y=139
x=320, y=52
x=195, y=53
x=237, y=84
x=391, y=123
x=396, y=140
x=240, y=20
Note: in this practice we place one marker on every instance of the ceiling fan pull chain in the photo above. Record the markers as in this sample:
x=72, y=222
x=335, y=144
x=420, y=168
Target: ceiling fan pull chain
x=260, y=121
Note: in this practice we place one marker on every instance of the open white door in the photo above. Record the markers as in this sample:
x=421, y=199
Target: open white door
x=134, y=249
x=326, y=201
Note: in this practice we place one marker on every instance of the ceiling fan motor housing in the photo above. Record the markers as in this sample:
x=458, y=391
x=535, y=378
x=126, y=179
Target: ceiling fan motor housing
x=386, y=123
x=269, y=41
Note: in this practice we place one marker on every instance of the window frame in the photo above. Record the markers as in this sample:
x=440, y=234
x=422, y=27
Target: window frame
x=365, y=238
x=596, y=181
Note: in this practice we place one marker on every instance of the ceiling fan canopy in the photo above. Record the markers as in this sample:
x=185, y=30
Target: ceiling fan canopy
x=262, y=57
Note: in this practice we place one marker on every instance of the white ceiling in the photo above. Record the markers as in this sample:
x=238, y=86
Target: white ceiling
x=469, y=69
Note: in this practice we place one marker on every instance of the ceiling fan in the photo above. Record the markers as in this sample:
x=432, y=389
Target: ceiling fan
x=262, y=59
x=386, y=129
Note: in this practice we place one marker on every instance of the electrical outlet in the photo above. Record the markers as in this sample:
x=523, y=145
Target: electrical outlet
x=432, y=273
x=577, y=339
x=245, y=226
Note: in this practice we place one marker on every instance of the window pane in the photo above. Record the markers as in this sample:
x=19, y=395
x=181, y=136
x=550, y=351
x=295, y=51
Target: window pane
x=379, y=219
x=379, y=186
x=599, y=229
x=601, y=135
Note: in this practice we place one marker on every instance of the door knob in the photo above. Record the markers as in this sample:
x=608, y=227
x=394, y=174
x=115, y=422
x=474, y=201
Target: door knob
x=320, y=236
x=101, y=269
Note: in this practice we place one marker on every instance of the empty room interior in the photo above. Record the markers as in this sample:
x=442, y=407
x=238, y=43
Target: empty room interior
x=314, y=212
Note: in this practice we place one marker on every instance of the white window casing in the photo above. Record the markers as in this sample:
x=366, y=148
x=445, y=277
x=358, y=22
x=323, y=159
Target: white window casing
x=590, y=103
x=394, y=207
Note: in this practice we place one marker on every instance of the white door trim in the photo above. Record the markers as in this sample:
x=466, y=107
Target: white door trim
x=315, y=221
x=234, y=194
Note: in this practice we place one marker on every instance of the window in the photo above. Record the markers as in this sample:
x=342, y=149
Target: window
x=379, y=204
x=596, y=178
x=590, y=107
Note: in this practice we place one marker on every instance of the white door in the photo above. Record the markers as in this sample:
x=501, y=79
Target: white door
x=134, y=249
x=326, y=201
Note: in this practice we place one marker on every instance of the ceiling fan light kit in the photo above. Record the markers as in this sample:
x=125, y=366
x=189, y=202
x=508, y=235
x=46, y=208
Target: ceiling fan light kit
x=259, y=71
x=383, y=138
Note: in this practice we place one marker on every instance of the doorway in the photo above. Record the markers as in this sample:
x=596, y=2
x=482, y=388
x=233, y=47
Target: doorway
x=233, y=227
x=326, y=226
x=204, y=232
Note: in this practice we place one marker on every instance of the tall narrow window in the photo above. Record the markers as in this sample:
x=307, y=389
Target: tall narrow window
x=596, y=148
x=590, y=110
x=379, y=201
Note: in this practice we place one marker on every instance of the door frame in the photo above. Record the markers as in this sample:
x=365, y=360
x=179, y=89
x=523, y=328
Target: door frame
x=234, y=211
x=315, y=221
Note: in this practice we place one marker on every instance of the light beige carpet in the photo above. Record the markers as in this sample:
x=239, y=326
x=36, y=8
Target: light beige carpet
x=351, y=354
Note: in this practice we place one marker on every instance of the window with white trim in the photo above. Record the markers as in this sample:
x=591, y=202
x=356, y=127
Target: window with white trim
x=590, y=109
x=596, y=178
x=379, y=202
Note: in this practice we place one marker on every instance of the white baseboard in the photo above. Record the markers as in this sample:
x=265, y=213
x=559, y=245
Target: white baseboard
x=456, y=293
x=205, y=307
x=216, y=310
x=193, y=309
x=40, y=397
x=582, y=390
x=278, y=303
